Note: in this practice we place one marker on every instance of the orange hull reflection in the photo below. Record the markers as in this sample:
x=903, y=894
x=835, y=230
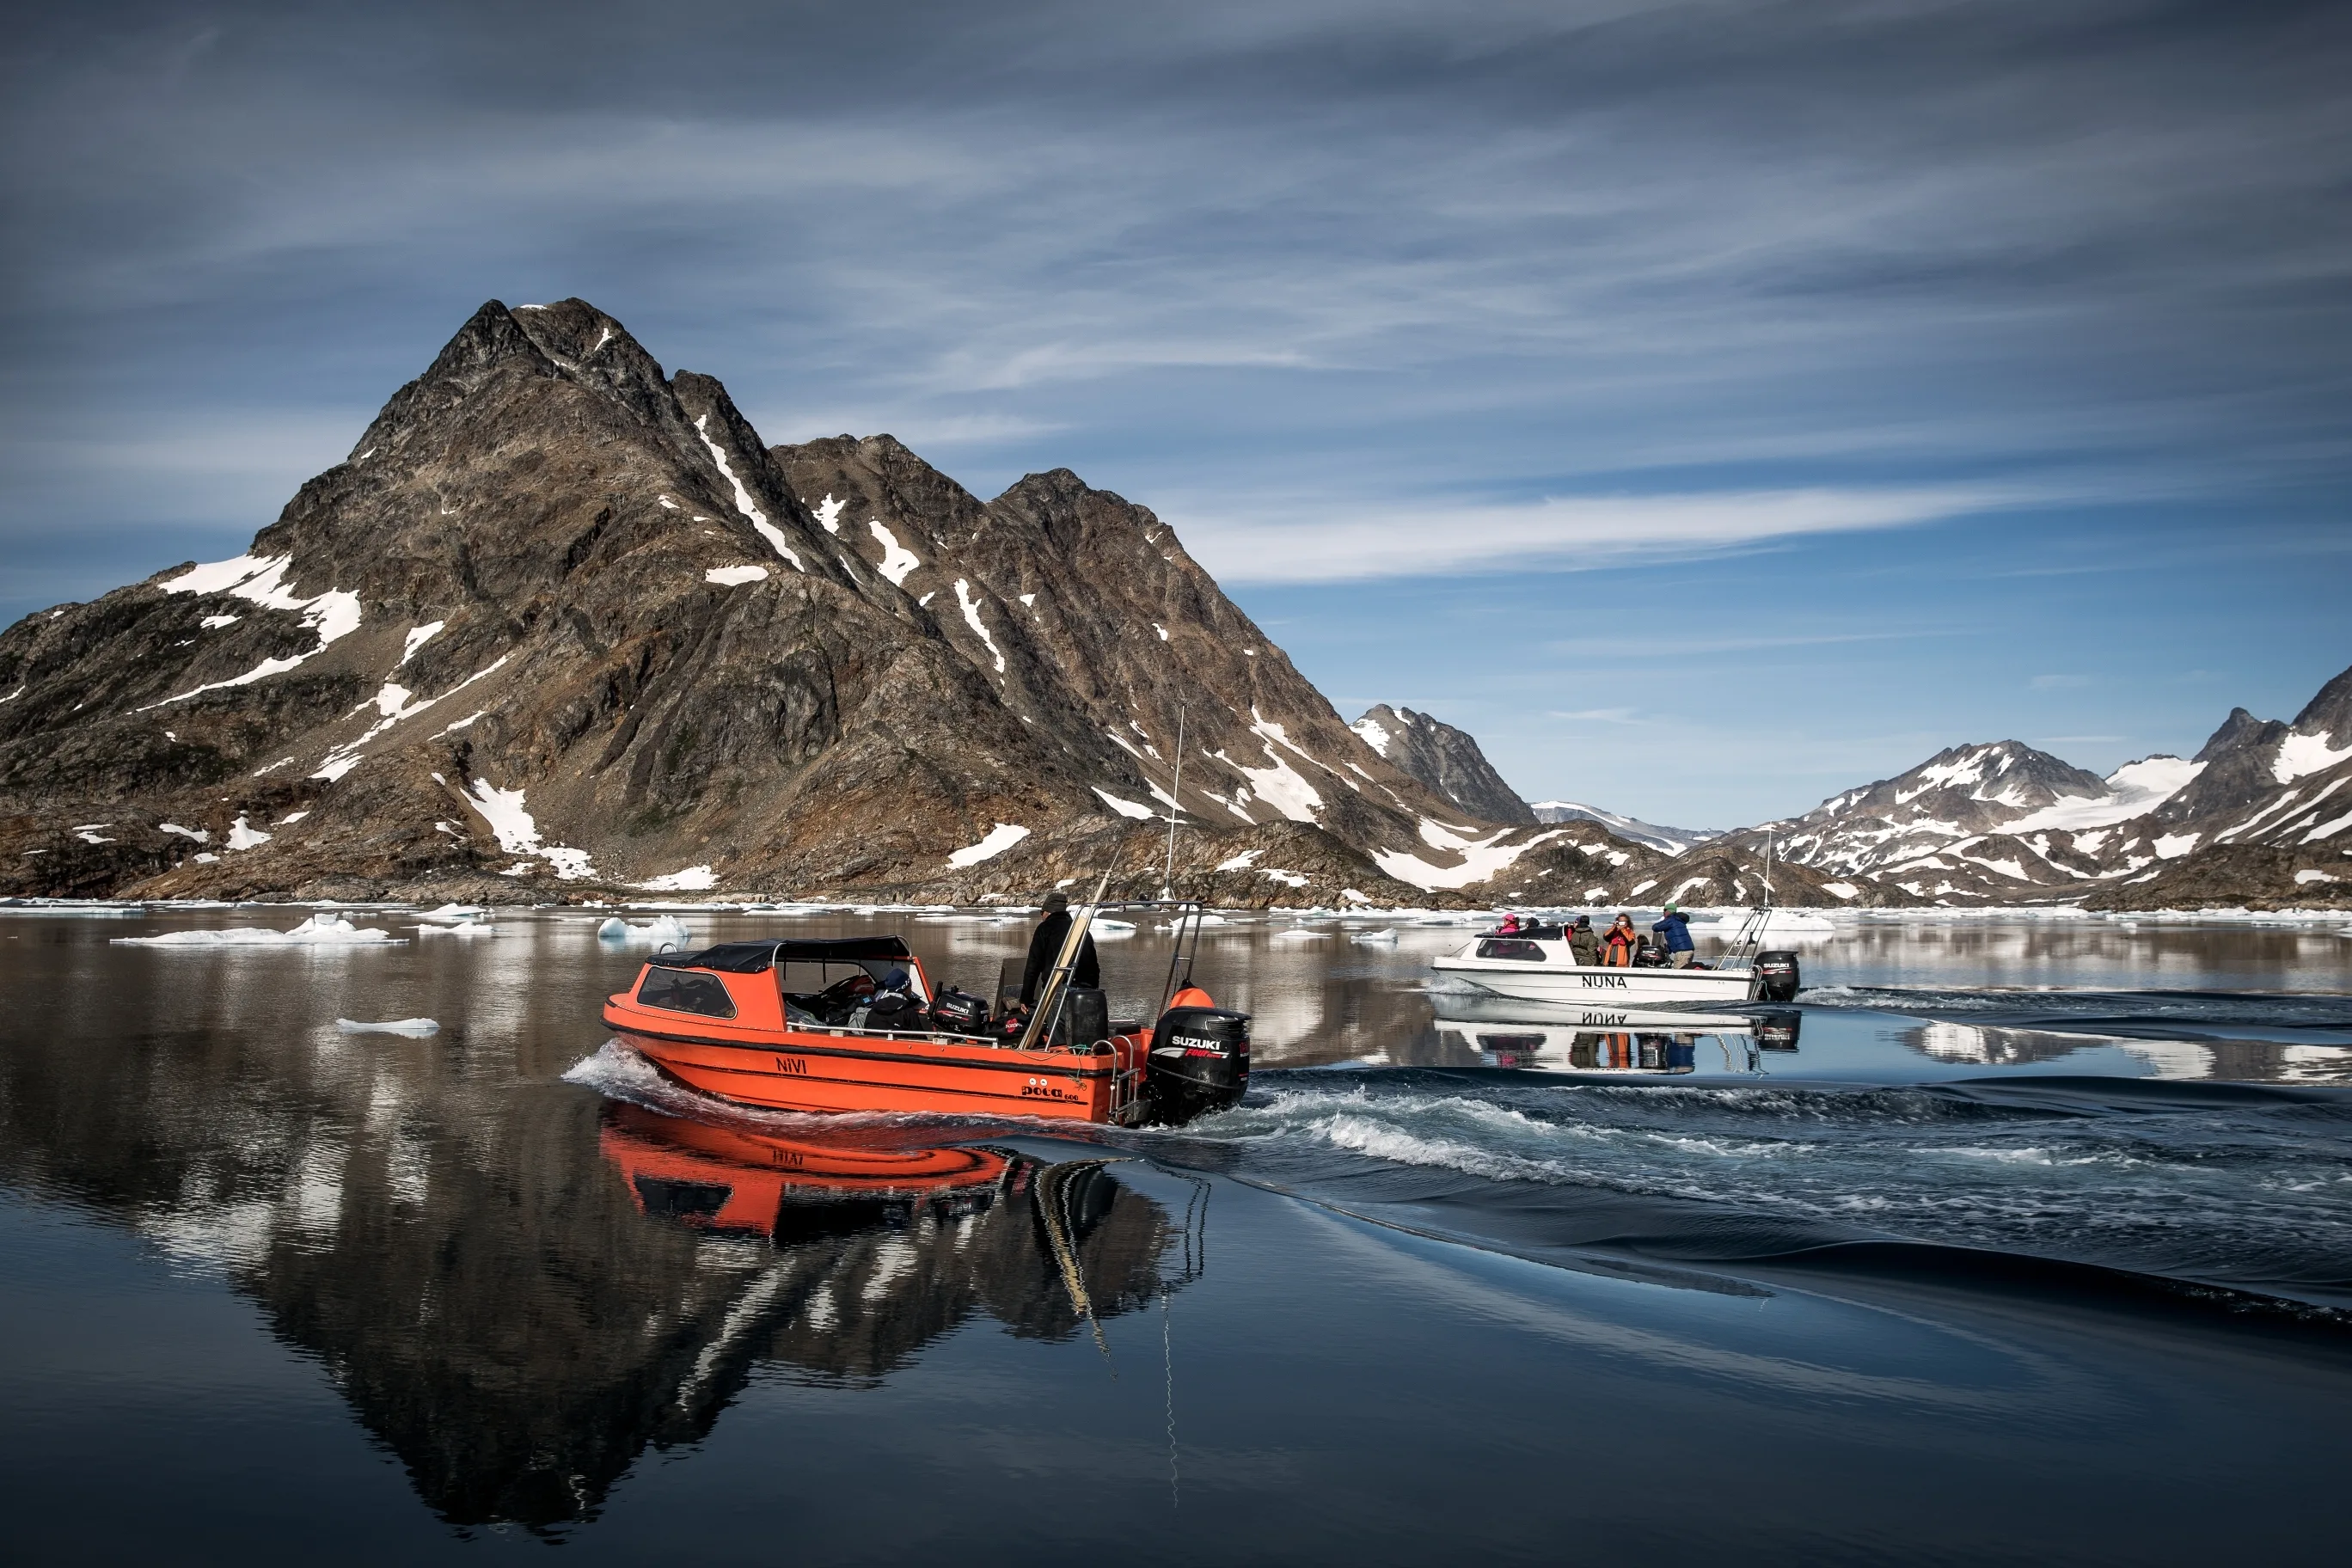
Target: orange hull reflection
x=727, y=1179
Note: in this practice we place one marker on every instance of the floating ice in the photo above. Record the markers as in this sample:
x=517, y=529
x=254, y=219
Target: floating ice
x=319, y=931
x=390, y=1026
x=668, y=933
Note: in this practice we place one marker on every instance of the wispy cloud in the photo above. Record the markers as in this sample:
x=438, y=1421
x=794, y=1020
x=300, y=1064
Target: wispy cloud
x=1341, y=544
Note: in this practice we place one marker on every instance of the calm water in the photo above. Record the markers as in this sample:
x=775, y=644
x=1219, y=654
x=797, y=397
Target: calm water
x=2015, y=1240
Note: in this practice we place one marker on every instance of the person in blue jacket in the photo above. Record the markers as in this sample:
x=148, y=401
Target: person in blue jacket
x=1675, y=929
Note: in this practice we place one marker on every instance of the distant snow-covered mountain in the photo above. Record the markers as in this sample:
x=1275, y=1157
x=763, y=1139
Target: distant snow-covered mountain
x=1672, y=840
x=2259, y=816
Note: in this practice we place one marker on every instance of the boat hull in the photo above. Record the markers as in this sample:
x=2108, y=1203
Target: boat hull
x=847, y=1072
x=1570, y=983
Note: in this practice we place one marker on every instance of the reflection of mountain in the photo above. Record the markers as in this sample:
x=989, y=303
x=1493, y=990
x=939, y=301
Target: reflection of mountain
x=489, y=1294
x=1988, y=1046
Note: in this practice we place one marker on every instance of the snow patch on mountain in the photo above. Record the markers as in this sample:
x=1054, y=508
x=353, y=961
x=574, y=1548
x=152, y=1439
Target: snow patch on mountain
x=333, y=614
x=517, y=834
x=1125, y=808
x=1654, y=836
x=999, y=839
x=743, y=502
x=972, y=618
x=2299, y=754
x=897, y=561
x=2136, y=789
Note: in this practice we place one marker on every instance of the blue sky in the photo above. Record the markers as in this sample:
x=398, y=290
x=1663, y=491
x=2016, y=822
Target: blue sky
x=1709, y=406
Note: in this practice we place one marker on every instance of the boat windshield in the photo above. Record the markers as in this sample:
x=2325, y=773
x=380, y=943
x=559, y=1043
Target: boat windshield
x=805, y=977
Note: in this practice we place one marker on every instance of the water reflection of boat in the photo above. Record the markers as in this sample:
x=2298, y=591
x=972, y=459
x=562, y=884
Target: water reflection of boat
x=881, y=1241
x=750, y=1183
x=1603, y=1039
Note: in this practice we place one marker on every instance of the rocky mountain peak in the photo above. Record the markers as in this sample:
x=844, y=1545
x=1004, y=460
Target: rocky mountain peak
x=2240, y=731
x=1448, y=760
x=562, y=618
x=2328, y=715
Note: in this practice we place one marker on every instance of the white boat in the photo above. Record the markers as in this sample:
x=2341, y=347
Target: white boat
x=1544, y=969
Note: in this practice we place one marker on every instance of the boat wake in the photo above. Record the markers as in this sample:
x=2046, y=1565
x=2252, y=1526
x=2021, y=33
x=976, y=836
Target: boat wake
x=2244, y=1187
x=2171, y=1014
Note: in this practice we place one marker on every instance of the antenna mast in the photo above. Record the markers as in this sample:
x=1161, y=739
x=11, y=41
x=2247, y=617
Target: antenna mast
x=1175, y=793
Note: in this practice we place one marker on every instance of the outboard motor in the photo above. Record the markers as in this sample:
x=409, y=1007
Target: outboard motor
x=1084, y=1018
x=1778, y=1031
x=1776, y=976
x=1200, y=1062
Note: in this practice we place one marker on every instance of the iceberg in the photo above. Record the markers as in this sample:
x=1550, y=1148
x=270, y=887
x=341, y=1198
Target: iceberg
x=391, y=1026
x=666, y=933
x=319, y=931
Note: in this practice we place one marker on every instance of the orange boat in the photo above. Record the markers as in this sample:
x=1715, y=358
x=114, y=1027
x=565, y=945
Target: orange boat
x=854, y=1024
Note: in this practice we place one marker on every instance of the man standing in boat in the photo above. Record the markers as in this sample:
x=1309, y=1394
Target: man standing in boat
x=1676, y=928
x=1045, y=946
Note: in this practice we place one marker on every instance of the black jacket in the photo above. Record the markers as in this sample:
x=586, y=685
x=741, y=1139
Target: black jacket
x=1045, y=946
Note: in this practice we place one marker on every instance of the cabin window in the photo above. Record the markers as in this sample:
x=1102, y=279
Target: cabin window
x=807, y=977
x=684, y=990
x=1511, y=947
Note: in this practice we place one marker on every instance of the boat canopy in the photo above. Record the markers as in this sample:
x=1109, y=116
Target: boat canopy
x=755, y=957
